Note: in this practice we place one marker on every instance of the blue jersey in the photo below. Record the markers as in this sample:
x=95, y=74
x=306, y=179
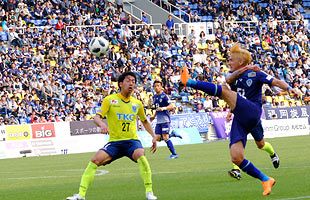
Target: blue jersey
x=249, y=85
x=162, y=100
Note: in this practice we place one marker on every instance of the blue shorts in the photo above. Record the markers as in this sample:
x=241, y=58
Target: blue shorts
x=163, y=128
x=246, y=118
x=122, y=148
x=258, y=132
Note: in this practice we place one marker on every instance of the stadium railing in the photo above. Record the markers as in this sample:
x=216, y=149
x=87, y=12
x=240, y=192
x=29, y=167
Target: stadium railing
x=135, y=11
x=251, y=25
x=175, y=10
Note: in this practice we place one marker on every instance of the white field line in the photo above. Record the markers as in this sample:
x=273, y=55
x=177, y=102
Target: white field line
x=296, y=198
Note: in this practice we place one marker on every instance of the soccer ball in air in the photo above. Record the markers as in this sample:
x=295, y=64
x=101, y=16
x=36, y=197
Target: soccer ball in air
x=98, y=46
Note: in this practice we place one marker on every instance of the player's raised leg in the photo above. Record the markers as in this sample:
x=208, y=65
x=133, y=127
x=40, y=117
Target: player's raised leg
x=222, y=91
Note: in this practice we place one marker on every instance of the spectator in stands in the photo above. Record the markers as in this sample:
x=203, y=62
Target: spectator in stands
x=170, y=22
x=14, y=38
x=144, y=18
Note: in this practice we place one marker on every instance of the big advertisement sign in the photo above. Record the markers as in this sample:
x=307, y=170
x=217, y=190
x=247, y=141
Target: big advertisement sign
x=43, y=139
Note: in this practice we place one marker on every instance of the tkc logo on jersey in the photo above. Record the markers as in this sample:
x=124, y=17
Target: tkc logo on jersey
x=127, y=117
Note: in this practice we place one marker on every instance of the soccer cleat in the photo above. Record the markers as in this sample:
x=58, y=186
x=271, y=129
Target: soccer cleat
x=184, y=75
x=174, y=156
x=267, y=185
x=150, y=196
x=75, y=197
x=235, y=173
x=275, y=160
x=175, y=134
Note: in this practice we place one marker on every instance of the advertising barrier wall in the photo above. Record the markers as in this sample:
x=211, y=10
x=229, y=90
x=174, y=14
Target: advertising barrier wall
x=287, y=113
x=277, y=122
x=68, y=138
x=199, y=120
x=84, y=136
x=189, y=135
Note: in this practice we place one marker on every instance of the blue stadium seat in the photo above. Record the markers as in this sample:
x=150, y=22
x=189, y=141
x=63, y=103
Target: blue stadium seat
x=54, y=21
x=307, y=4
x=176, y=13
x=307, y=16
x=38, y=22
x=263, y=5
x=193, y=6
x=3, y=36
x=209, y=18
x=236, y=5
x=204, y=18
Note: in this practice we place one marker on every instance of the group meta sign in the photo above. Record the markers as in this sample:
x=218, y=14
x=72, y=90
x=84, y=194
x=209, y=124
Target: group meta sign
x=46, y=130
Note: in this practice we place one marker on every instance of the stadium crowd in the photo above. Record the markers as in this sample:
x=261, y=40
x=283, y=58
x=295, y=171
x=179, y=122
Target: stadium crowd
x=48, y=74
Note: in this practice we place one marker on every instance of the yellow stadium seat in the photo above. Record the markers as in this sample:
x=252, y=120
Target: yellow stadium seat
x=157, y=70
x=115, y=84
x=53, y=63
x=216, y=45
x=222, y=103
x=143, y=94
x=286, y=103
x=268, y=99
x=281, y=98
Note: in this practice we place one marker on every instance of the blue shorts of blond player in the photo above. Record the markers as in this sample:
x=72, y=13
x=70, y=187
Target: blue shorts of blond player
x=119, y=149
x=257, y=133
x=246, y=119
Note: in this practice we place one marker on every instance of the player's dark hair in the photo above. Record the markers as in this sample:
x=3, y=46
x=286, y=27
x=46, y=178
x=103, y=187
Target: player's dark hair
x=157, y=81
x=124, y=75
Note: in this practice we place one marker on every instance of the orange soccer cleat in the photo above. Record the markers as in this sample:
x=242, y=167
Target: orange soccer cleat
x=184, y=75
x=267, y=185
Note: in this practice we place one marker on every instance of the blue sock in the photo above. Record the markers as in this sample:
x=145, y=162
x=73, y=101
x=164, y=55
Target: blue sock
x=209, y=88
x=170, y=147
x=251, y=170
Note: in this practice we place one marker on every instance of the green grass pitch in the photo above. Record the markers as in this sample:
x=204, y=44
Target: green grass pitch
x=199, y=174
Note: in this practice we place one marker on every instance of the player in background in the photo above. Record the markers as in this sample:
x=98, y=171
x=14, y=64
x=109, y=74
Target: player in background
x=246, y=105
x=257, y=132
x=121, y=111
x=163, y=106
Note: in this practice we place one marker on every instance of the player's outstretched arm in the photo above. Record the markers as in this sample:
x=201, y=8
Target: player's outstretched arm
x=149, y=129
x=284, y=86
x=98, y=120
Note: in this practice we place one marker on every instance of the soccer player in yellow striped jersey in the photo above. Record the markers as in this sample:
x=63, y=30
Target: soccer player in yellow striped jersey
x=121, y=111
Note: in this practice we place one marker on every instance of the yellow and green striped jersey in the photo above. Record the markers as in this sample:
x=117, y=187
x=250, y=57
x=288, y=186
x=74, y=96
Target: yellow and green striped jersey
x=121, y=116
